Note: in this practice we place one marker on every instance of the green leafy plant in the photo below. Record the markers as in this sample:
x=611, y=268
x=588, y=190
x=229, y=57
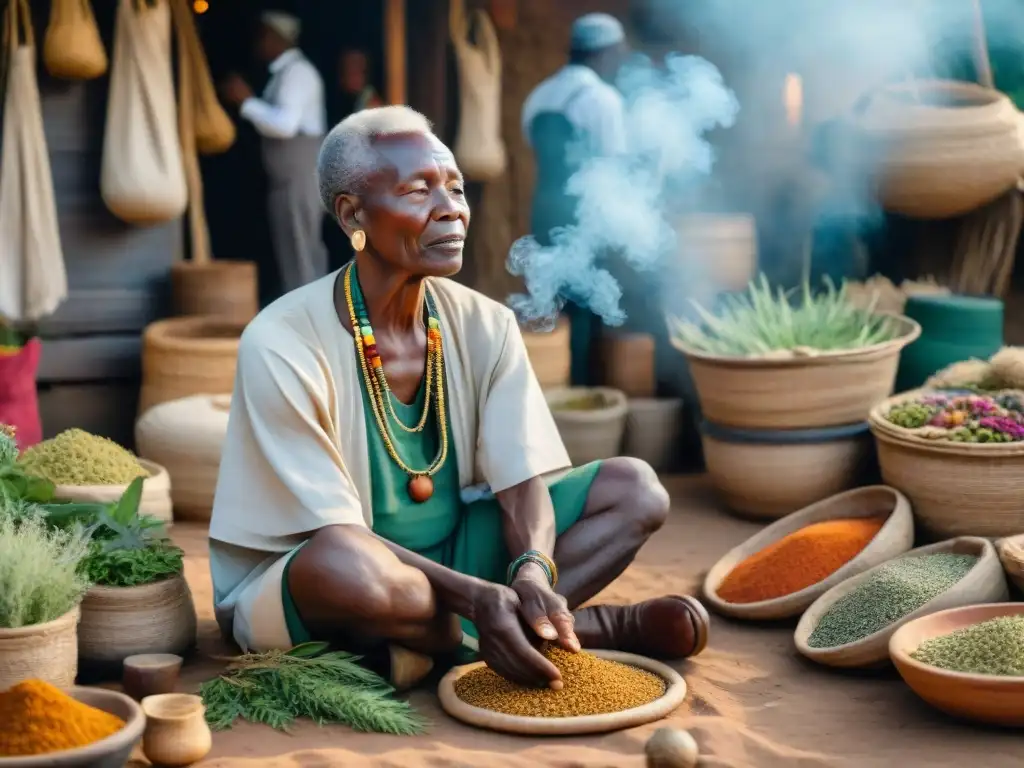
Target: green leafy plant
x=40, y=574
x=126, y=549
x=15, y=483
x=328, y=687
x=763, y=322
x=129, y=549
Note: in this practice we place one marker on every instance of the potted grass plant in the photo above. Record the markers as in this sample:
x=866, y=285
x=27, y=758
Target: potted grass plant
x=775, y=359
x=41, y=581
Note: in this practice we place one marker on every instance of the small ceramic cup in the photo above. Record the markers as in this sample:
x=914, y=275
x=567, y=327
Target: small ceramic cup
x=176, y=730
x=149, y=674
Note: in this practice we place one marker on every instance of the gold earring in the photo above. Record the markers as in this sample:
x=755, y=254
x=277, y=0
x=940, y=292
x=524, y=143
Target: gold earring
x=358, y=240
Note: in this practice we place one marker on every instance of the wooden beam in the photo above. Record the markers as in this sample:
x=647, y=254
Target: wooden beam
x=394, y=50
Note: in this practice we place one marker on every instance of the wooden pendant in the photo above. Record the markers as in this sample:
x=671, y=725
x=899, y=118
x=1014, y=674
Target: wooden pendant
x=421, y=488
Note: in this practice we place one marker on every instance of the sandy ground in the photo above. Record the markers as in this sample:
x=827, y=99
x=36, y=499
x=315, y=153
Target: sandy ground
x=752, y=700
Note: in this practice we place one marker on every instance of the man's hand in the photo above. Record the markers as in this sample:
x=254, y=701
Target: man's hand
x=504, y=642
x=543, y=609
x=234, y=90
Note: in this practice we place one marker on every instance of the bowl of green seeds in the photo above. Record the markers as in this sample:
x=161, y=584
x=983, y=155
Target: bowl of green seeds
x=967, y=662
x=851, y=624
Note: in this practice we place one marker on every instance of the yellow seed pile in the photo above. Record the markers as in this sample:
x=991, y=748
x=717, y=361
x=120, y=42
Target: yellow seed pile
x=591, y=686
x=75, y=457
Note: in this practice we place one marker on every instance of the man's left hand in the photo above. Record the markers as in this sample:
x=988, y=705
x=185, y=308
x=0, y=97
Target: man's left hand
x=543, y=609
x=235, y=90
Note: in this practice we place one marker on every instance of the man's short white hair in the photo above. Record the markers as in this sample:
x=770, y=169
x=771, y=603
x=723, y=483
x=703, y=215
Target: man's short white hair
x=347, y=155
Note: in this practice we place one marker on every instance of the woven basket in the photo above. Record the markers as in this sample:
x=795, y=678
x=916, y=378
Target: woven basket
x=948, y=148
x=826, y=390
x=118, y=622
x=186, y=436
x=590, y=435
x=627, y=363
x=186, y=356
x=549, y=354
x=767, y=475
x=46, y=652
x=156, y=492
x=218, y=288
x=1011, y=554
x=956, y=489
x=654, y=429
x=723, y=244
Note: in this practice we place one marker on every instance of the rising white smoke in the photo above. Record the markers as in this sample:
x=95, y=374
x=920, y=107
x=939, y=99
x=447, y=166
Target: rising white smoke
x=843, y=49
x=621, y=205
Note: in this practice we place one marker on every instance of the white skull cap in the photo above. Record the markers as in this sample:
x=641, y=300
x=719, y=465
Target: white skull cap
x=286, y=25
x=595, y=31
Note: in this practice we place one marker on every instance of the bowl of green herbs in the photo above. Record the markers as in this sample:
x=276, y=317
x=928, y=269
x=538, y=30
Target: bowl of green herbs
x=139, y=601
x=775, y=359
x=966, y=661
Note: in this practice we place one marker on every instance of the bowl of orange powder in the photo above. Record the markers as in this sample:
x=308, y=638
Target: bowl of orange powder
x=779, y=572
x=43, y=725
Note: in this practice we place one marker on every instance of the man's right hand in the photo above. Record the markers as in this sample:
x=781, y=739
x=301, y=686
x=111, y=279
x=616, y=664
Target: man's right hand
x=505, y=644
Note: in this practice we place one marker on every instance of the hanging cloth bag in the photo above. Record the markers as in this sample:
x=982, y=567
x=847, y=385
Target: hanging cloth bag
x=479, y=149
x=214, y=131
x=142, y=180
x=33, y=281
x=72, y=48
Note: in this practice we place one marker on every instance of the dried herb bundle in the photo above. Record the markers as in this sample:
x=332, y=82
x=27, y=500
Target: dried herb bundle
x=327, y=687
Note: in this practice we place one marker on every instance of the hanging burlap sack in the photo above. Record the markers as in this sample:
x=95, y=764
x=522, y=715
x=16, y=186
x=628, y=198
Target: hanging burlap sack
x=72, y=48
x=479, y=148
x=142, y=179
x=213, y=130
x=33, y=281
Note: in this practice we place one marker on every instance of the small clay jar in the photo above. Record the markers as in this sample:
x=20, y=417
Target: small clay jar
x=150, y=674
x=176, y=730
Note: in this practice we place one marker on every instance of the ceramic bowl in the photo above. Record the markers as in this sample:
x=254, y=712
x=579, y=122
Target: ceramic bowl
x=111, y=752
x=984, y=583
x=895, y=537
x=992, y=699
x=149, y=674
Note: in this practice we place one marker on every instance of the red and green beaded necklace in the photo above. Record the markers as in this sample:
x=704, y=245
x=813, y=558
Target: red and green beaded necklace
x=420, y=486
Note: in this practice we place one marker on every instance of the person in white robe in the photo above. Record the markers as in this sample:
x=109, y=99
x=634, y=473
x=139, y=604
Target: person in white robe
x=392, y=477
x=572, y=116
x=291, y=118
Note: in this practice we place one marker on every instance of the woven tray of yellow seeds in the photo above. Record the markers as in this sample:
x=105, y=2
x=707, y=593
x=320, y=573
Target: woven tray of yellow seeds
x=602, y=691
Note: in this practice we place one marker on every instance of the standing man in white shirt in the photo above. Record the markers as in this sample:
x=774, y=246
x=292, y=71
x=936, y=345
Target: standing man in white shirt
x=291, y=118
x=575, y=114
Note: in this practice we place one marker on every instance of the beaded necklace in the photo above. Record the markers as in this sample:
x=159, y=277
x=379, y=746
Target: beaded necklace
x=420, y=486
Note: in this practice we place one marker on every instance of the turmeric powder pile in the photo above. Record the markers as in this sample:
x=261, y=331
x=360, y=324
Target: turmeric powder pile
x=590, y=686
x=38, y=718
x=76, y=457
x=799, y=560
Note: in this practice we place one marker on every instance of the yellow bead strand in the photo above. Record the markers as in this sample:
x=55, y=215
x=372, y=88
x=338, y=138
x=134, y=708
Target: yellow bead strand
x=435, y=364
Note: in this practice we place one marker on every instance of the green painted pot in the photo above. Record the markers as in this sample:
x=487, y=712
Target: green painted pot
x=953, y=329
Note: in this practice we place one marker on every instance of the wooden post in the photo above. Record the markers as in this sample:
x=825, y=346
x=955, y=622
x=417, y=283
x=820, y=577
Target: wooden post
x=394, y=50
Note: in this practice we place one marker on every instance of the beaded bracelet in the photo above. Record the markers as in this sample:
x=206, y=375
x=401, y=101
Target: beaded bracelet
x=539, y=558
